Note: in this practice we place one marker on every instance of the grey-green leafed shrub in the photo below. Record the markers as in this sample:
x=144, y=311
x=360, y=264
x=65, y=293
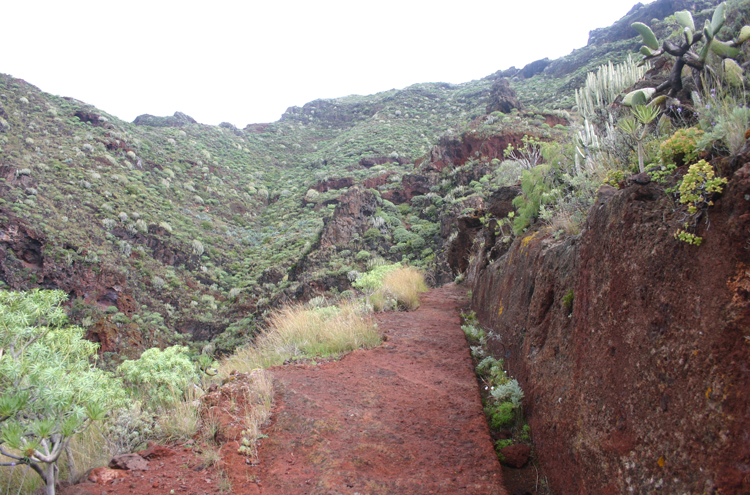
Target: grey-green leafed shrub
x=197, y=247
x=160, y=375
x=363, y=256
x=509, y=391
x=488, y=365
x=129, y=427
x=49, y=388
x=473, y=333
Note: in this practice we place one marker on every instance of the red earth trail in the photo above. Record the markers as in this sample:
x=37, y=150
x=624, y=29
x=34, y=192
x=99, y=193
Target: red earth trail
x=403, y=418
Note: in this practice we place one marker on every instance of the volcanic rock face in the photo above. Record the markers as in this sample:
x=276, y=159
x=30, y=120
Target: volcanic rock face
x=349, y=217
x=622, y=30
x=453, y=151
x=338, y=183
x=503, y=98
x=411, y=185
x=632, y=347
x=534, y=68
x=179, y=119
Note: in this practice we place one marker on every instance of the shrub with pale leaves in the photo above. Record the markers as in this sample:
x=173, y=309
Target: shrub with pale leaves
x=159, y=375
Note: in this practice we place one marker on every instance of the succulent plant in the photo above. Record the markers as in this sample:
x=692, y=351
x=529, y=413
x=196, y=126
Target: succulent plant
x=603, y=86
x=686, y=55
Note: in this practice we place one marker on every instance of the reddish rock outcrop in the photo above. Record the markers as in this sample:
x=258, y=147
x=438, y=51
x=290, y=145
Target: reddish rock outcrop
x=631, y=347
x=339, y=183
x=371, y=161
x=24, y=265
x=349, y=217
x=458, y=251
x=515, y=455
x=103, y=476
x=126, y=341
x=453, y=151
x=94, y=119
x=379, y=180
x=411, y=185
x=156, y=451
x=129, y=462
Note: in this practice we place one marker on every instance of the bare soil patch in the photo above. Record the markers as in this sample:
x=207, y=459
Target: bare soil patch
x=404, y=418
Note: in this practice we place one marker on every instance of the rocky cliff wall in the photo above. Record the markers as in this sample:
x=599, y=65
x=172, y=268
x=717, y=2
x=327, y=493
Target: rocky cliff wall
x=633, y=349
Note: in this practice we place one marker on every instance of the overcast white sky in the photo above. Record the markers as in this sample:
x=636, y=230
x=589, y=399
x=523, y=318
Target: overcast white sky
x=247, y=61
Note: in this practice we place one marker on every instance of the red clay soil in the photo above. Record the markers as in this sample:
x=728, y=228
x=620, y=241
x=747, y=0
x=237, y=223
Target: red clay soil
x=404, y=418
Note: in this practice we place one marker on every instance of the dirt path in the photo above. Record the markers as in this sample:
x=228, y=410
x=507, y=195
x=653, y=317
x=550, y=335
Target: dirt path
x=404, y=418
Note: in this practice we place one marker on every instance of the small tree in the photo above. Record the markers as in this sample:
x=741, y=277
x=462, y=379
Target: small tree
x=49, y=387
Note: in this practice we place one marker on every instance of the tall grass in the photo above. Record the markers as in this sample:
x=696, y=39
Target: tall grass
x=19, y=479
x=296, y=331
x=401, y=286
x=180, y=421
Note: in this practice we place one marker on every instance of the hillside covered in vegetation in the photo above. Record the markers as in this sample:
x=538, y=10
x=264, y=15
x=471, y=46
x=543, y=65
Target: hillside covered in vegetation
x=169, y=229
x=165, y=231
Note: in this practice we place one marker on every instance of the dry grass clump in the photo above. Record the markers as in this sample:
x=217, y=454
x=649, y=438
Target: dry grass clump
x=182, y=420
x=571, y=223
x=401, y=286
x=296, y=331
x=19, y=479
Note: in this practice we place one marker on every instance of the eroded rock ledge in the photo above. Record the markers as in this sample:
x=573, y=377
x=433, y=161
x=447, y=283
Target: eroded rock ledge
x=633, y=348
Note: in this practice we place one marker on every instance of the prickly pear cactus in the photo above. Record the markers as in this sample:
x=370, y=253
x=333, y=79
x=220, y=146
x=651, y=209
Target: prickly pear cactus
x=694, y=48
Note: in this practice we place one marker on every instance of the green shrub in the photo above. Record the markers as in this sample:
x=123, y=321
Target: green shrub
x=372, y=280
x=535, y=188
x=401, y=235
x=510, y=391
x=50, y=389
x=699, y=185
x=160, y=376
x=371, y=234
x=681, y=147
x=501, y=444
x=416, y=243
x=362, y=256
x=567, y=301
x=499, y=414
x=473, y=333
x=485, y=365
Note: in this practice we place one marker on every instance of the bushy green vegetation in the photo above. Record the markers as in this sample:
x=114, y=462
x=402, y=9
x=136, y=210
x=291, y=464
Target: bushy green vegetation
x=201, y=214
x=160, y=376
x=50, y=389
x=501, y=395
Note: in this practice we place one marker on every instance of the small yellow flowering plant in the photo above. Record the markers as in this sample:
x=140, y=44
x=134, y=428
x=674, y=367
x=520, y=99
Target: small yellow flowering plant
x=696, y=189
x=698, y=185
